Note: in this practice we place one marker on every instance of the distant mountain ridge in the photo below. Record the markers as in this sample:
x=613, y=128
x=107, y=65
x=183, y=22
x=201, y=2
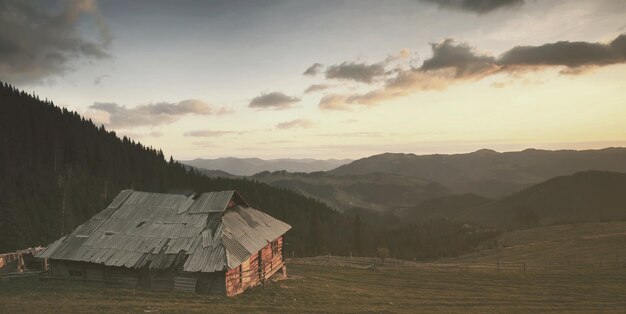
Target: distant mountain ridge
x=489, y=173
x=251, y=166
x=378, y=192
x=588, y=196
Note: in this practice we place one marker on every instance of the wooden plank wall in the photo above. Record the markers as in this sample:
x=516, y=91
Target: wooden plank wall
x=212, y=283
x=251, y=273
x=239, y=279
x=185, y=282
x=124, y=276
x=272, y=262
x=161, y=280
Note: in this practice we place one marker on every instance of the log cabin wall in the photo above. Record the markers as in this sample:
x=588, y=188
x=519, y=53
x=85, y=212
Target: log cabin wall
x=272, y=256
x=245, y=276
x=255, y=269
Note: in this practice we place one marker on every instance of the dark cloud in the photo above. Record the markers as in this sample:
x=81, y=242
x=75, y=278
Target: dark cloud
x=154, y=114
x=566, y=53
x=460, y=57
x=37, y=42
x=298, y=123
x=476, y=6
x=317, y=87
x=359, y=72
x=313, y=69
x=453, y=63
x=273, y=100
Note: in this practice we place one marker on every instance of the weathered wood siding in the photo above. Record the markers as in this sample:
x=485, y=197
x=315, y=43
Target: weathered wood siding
x=272, y=259
x=211, y=283
x=255, y=269
x=162, y=280
x=67, y=269
x=185, y=282
x=124, y=276
x=94, y=272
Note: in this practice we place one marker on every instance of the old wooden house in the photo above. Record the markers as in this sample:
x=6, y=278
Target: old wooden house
x=208, y=243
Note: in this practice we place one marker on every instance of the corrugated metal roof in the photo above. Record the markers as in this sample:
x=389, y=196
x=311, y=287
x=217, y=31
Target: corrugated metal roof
x=163, y=230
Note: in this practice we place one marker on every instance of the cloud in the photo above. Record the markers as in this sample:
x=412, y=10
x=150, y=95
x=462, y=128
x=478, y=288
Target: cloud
x=298, y=123
x=211, y=133
x=401, y=55
x=317, y=87
x=274, y=100
x=476, y=6
x=359, y=72
x=154, y=114
x=38, y=43
x=454, y=63
x=568, y=54
x=334, y=102
x=313, y=69
x=458, y=56
x=99, y=79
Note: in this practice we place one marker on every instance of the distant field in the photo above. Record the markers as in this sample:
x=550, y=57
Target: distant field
x=561, y=247
x=594, y=282
x=317, y=288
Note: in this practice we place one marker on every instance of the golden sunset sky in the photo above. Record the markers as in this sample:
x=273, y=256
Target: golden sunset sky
x=332, y=79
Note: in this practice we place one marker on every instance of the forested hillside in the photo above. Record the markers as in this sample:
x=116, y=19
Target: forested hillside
x=57, y=169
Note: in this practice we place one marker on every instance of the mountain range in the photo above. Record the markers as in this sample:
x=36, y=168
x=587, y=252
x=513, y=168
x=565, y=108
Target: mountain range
x=250, y=166
x=588, y=196
x=489, y=173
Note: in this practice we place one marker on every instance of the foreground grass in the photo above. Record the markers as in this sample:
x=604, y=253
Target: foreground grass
x=317, y=288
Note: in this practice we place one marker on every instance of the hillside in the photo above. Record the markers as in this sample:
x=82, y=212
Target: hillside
x=578, y=246
x=378, y=192
x=489, y=173
x=250, y=166
x=589, y=196
x=57, y=169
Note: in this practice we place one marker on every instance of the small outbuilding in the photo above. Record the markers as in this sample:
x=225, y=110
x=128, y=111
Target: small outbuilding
x=207, y=243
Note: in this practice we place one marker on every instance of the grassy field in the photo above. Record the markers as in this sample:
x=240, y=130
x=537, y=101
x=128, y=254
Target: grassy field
x=560, y=247
x=318, y=288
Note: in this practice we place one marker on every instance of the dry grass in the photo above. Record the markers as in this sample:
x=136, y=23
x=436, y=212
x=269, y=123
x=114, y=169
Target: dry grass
x=317, y=288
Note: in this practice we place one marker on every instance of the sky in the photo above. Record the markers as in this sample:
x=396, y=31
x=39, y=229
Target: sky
x=328, y=79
